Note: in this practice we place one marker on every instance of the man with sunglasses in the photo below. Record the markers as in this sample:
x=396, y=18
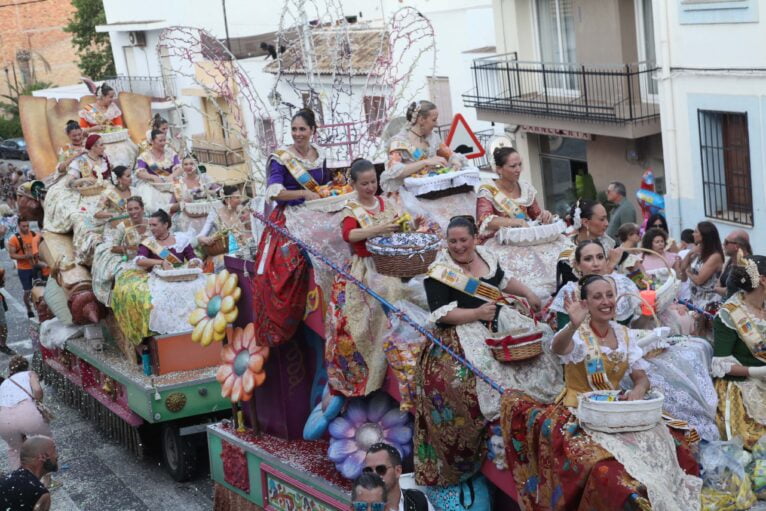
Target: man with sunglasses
x=368, y=493
x=385, y=461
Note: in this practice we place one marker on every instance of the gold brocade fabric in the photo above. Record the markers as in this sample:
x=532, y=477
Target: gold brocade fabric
x=739, y=423
x=576, y=376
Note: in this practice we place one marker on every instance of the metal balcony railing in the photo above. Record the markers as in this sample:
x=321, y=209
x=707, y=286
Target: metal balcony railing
x=610, y=94
x=223, y=157
x=156, y=87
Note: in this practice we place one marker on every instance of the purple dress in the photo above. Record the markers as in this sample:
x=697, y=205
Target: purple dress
x=152, y=165
x=186, y=255
x=279, y=175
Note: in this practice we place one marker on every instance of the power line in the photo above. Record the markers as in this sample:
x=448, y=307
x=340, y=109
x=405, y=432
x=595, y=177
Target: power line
x=22, y=3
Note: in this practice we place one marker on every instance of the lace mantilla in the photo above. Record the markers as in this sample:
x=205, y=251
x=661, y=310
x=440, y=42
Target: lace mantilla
x=172, y=302
x=650, y=458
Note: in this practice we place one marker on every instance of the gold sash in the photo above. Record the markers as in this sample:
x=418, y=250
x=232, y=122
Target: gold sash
x=456, y=279
x=114, y=198
x=401, y=145
x=746, y=328
x=505, y=203
x=362, y=216
x=594, y=361
x=162, y=252
x=300, y=174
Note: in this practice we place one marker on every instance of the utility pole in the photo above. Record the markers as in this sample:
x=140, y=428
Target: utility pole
x=226, y=26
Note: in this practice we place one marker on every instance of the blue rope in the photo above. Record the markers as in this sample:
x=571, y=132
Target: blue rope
x=387, y=306
x=693, y=307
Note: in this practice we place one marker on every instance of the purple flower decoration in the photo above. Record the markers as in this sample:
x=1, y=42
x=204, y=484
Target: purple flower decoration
x=367, y=420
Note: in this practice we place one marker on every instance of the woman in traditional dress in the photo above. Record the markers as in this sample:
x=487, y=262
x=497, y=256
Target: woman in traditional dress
x=452, y=405
x=509, y=202
x=111, y=208
x=144, y=304
x=417, y=149
x=190, y=186
x=75, y=147
x=588, y=221
x=165, y=248
x=280, y=289
x=739, y=358
x=581, y=467
x=113, y=201
x=589, y=258
x=155, y=169
x=118, y=248
x=103, y=114
x=62, y=203
x=230, y=220
x=356, y=363
x=680, y=371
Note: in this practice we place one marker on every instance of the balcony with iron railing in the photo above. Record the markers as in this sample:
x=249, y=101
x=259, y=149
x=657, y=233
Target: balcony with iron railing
x=157, y=87
x=617, y=97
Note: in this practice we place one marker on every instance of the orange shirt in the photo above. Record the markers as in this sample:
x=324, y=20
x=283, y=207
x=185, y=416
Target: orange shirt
x=31, y=243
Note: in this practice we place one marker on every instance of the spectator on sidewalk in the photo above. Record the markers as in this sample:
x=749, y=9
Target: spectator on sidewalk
x=3, y=322
x=384, y=460
x=19, y=417
x=22, y=489
x=624, y=213
x=24, y=248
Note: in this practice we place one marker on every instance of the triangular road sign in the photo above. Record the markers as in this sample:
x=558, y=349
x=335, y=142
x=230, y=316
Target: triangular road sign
x=461, y=139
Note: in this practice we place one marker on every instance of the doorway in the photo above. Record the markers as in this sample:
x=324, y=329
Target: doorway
x=561, y=160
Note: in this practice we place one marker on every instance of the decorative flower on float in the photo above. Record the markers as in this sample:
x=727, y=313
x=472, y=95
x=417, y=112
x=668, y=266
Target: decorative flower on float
x=367, y=420
x=241, y=369
x=216, y=307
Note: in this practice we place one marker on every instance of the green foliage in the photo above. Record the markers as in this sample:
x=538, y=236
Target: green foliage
x=95, y=48
x=10, y=122
x=584, y=186
x=10, y=128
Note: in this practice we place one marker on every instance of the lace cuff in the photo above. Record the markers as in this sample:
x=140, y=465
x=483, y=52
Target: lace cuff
x=484, y=226
x=577, y=354
x=273, y=190
x=721, y=366
x=442, y=311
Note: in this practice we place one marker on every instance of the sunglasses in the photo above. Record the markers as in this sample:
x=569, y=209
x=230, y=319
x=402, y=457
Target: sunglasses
x=369, y=506
x=379, y=469
x=729, y=242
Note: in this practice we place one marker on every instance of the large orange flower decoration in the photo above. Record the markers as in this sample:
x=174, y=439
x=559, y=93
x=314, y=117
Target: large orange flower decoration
x=216, y=307
x=241, y=369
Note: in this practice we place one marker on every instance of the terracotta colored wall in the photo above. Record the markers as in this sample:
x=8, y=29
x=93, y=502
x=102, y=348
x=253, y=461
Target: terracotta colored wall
x=38, y=27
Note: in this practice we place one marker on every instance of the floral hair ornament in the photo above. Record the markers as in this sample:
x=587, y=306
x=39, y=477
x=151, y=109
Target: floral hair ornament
x=415, y=112
x=577, y=219
x=750, y=267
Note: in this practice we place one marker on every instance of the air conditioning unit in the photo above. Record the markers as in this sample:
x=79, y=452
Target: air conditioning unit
x=137, y=38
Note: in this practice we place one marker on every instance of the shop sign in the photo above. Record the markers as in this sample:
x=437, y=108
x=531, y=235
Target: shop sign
x=555, y=132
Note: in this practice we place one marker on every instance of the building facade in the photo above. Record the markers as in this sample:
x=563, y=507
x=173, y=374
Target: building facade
x=460, y=28
x=711, y=87
x=34, y=46
x=573, y=82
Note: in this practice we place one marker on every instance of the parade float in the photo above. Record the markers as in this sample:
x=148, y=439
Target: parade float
x=128, y=361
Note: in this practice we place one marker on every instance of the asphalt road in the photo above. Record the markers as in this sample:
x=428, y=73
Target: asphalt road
x=96, y=473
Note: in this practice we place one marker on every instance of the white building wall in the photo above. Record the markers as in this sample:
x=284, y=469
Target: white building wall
x=706, y=66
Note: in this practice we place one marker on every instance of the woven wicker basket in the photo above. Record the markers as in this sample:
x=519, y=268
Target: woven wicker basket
x=619, y=416
x=87, y=188
x=111, y=137
x=516, y=346
x=219, y=246
x=408, y=261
